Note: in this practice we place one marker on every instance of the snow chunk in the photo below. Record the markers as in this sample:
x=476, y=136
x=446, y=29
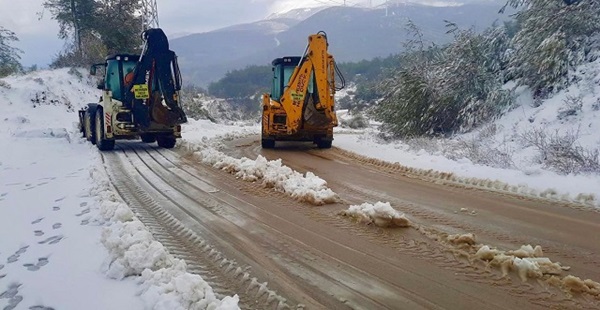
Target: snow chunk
x=381, y=214
x=308, y=188
x=575, y=285
x=527, y=251
x=113, y=211
x=526, y=268
x=486, y=253
x=132, y=249
x=468, y=239
x=527, y=261
x=175, y=288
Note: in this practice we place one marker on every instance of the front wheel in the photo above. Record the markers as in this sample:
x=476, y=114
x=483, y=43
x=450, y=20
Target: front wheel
x=102, y=143
x=89, y=117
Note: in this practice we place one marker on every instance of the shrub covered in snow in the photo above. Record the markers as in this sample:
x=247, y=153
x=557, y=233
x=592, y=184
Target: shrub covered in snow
x=561, y=152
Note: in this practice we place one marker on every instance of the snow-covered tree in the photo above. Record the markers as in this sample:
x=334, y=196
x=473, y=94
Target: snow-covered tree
x=95, y=28
x=9, y=55
x=449, y=89
x=553, y=38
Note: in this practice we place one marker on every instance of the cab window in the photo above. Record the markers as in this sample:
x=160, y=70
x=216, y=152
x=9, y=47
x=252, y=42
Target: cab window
x=113, y=79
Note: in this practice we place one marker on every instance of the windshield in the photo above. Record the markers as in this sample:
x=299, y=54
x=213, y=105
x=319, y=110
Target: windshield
x=282, y=79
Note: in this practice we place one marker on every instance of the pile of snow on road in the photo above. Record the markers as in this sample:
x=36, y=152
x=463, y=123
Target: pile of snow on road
x=273, y=174
x=165, y=283
x=381, y=214
x=529, y=262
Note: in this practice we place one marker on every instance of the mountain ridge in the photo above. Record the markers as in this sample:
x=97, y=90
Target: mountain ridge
x=354, y=34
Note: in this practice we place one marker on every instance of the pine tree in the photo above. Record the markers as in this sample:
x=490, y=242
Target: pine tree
x=9, y=55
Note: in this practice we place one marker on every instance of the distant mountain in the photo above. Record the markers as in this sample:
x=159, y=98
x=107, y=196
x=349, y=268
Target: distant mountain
x=297, y=14
x=354, y=34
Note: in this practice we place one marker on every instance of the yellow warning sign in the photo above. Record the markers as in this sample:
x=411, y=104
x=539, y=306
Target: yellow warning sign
x=141, y=91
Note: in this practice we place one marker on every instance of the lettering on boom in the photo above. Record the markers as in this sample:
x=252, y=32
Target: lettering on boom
x=298, y=95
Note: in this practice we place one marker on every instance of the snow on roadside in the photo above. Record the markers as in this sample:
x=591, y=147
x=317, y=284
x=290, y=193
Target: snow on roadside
x=165, y=282
x=579, y=189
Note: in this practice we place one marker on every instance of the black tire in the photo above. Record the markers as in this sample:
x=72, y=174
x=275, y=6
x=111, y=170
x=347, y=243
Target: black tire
x=82, y=125
x=148, y=138
x=89, y=126
x=102, y=143
x=324, y=144
x=267, y=143
x=167, y=142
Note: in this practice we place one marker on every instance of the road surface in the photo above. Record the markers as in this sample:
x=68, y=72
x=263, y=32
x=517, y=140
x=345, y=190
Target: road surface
x=279, y=253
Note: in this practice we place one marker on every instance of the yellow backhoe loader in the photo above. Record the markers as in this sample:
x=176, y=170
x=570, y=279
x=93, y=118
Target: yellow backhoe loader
x=301, y=105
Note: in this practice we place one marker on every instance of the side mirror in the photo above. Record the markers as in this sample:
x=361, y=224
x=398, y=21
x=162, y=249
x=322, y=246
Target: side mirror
x=94, y=67
x=101, y=84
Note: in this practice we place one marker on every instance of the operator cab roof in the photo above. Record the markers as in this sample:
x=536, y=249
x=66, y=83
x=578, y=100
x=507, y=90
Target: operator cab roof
x=129, y=57
x=287, y=61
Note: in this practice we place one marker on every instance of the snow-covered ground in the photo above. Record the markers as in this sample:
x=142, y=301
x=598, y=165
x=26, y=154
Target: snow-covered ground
x=69, y=242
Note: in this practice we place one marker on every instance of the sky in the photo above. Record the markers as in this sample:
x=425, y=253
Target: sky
x=39, y=41
x=68, y=226
x=38, y=32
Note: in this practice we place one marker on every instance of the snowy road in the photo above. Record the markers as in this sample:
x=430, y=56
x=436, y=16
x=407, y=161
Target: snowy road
x=274, y=251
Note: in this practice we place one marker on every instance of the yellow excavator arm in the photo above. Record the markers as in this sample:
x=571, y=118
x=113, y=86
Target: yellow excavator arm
x=316, y=64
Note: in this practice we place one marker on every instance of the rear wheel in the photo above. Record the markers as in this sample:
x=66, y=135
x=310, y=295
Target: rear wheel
x=168, y=142
x=268, y=143
x=148, y=138
x=101, y=142
x=324, y=144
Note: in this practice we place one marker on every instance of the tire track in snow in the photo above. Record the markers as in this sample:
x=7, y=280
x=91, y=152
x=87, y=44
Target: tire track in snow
x=223, y=275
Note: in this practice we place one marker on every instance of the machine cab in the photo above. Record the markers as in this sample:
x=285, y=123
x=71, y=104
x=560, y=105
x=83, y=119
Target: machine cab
x=116, y=69
x=283, y=68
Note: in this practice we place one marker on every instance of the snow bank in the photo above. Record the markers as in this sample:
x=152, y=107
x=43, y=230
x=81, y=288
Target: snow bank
x=538, y=185
x=273, y=174
x=381, y=214
x=164, y=281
